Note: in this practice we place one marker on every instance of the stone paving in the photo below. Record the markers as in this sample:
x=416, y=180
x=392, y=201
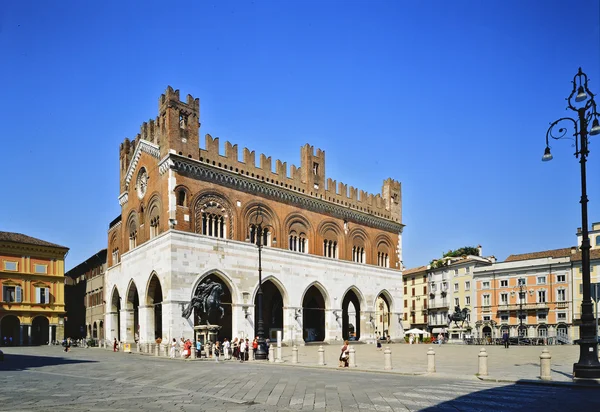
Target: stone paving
x=47, y=379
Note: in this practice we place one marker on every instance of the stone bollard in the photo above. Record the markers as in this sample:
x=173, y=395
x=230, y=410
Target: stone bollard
x=166, y=349
x=193, y=352
x=157, y=350
x=271, y=353
x=483, y=365
x=351, y=357
x=295, y=354
x=321, y=356
x=545, y=372
x=278, y=358
x=430, y=361
x=387, y=358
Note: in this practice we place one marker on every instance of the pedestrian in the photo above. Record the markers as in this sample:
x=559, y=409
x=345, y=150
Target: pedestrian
x=226, y=349
x=254, y=347
x=242, y=350
x=187, y=349
x=505, y=339
x=440, y=339
x=411, y=338
x=344, y=355
x=173, y=347
x=115, y=345
x=5, y=341
x=181, y=347
x=247, y=351
x=198, y=349
x=217, y=350
x=236, y=348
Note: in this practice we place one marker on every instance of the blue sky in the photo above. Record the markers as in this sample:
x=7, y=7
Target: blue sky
x=453, y=99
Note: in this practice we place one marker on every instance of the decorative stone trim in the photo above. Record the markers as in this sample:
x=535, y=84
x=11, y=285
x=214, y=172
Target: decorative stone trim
x=164, y=165
x=123, y=198
x=242, y=183
x=142, y=146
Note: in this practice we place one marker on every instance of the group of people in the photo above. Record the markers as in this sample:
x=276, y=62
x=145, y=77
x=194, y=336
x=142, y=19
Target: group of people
x=240, y=349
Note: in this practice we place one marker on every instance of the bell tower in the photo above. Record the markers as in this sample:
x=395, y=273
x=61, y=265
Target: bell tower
x=179, y=124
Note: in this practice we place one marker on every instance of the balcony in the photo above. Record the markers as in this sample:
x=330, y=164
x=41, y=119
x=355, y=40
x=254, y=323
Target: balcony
x=562, y=305
x=438, y=303
x=525, y=306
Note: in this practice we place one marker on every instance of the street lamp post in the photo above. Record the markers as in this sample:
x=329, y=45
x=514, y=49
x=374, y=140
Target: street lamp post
x=588, y=365
x=520, y=286
x=258, y=228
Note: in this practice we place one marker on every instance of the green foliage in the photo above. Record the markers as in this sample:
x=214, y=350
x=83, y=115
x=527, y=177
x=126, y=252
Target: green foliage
x=463, y=251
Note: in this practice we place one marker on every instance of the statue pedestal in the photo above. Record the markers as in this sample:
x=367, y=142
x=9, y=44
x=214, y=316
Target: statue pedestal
x=206, y=333
x=457, y=335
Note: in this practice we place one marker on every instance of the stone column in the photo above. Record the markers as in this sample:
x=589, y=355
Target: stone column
x=545, y=369
x=146, y=319
x=483, y=364
x=127, y=328
x=387, y=358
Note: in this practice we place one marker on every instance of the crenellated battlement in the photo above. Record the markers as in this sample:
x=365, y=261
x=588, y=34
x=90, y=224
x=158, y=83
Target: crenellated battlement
x=309, y=178
x=176, y=130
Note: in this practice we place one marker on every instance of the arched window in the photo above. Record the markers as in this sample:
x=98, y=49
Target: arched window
x=255, y=235
x=213, y=217
x=598, y=240
x=298, y=238
x=115, y=256
x=154, y=217
x=383, y=252
x=181, y=197
x=358, y=254
x=132, y=227
x=383, y=259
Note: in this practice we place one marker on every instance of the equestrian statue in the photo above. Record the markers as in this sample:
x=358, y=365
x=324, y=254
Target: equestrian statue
x=207, y=302
x=458, y=316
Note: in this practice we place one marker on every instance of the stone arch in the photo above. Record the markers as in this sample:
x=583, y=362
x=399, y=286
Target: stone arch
x=132, y=305
x=315, y=302
x=274, y=300
x=95, y=330
x=383, y=307
x=213, y=203
x=114, y=313
x=9, y=327
x=281, y=288
x=228, y=299
x=154, y=215
x=154, y=299
x=352, y=302
x=132, y=228
x=359, y=246
x=182, y=195
x=227, y=280
x=40, y=334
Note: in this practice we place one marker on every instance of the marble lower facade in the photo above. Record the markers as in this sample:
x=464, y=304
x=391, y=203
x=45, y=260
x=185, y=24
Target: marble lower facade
x=306, y=297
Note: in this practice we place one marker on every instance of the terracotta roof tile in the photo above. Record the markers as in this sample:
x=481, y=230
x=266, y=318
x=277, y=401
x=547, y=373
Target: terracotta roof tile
x=414, y=270
x=556, y=253
x=594, y=254
x=28, y=240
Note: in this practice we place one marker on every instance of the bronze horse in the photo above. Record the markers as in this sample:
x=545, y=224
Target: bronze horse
x=206, y=301
x=458, y=316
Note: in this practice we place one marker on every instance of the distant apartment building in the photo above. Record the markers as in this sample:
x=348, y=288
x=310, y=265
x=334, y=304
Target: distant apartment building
x=451, y=288
x=32, y=304
x=415, y=298
x=85, y=297
x=527, y=295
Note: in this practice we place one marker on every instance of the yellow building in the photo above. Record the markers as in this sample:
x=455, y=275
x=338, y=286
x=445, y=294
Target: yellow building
x=415, y=298
x=32, y=305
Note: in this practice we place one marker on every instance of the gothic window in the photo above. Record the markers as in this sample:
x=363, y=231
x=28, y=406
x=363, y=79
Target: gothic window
x=383, y=259
x=330, y=248
x=256, y=235
x=115, y=256
x=358, y=254
x=213, y=217
x=132, y=227
x=154, y=228
x=213, y=224
x=182, y=121
x=298, y=242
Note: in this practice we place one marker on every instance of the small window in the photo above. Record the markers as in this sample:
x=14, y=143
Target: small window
x=522, y=282
x=541, y=280
x=504, y=317
x=561, y=295
x=11, y=294
x=40, y=268
x=561, y=316
x=315, y=168
x=456, y=287
x=486, y=300
x=10, y=266
x=542, y=316
x=456, y=301
x=467, y=285
x=486, y=285
x=181, y=197
x=541, y=296
x=467, y=300
x=504, y=298
x=42, y=295
x=504, y=283
x=598, y=240
x=560, y=278
x=486, y=318
x=455, y=272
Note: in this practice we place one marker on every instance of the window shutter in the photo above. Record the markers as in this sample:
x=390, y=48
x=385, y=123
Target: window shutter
x=38, y=294
x=47, y=295
x=18, y=294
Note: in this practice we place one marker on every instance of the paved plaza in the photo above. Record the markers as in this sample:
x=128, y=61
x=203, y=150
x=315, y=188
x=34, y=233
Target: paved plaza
x=47, y=379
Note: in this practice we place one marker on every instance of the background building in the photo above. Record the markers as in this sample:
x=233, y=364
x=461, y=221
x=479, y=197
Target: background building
x=188, y=215
x=415, y=298
x=32, y=279
x=85, y=302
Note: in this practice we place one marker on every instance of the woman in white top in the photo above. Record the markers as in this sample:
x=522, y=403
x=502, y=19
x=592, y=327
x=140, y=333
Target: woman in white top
x=242, y=350
x=173, y=346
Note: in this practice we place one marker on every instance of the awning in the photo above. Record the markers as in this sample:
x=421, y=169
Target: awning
x=439, y=330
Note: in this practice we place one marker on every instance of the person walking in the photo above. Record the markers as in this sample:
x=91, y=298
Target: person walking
x=505, y=339
x=236, y=348
x=217, y=350
x=247, y=352
x=226, y=349
x=198, y=349
x=173, y=347
x=242, y=350
x=115, y=345
x=344, y=355
x=254, y=347
x=411, y=338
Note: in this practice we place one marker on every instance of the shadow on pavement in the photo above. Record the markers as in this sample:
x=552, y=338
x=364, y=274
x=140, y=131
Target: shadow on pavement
x=16, y=362
x=525, y=395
